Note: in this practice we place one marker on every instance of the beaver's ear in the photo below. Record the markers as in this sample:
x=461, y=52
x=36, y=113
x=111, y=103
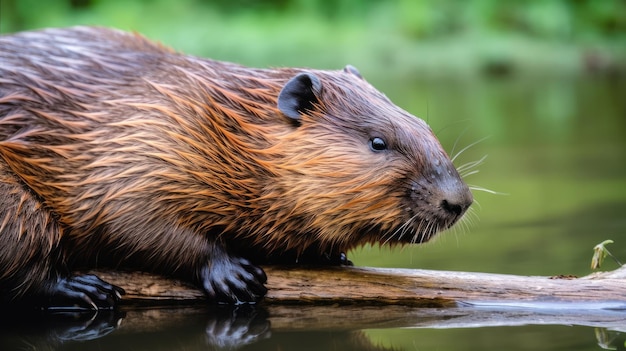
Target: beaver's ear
x=351, y=69
x=299, y=94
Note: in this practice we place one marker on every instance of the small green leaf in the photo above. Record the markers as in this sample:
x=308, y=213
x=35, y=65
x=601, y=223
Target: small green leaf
x=599, y=254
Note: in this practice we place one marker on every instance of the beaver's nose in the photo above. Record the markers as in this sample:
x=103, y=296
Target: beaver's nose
x=457, y=199
x=454, y=208
x=452, y=196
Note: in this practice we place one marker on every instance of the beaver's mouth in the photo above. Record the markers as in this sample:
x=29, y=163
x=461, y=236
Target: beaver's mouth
x=420, y=230
x=432, y=207
x=426, y=219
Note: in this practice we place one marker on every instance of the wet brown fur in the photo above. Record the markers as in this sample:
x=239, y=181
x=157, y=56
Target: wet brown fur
x=118, y=151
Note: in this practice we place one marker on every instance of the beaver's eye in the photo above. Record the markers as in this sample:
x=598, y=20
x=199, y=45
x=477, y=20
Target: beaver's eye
x=378, y=144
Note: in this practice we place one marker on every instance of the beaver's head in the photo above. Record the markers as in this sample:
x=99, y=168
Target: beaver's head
x=358, y=169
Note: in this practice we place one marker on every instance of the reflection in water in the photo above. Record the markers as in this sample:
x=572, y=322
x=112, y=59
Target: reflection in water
x=212, y=328
x=303, y=328
x=610, y=340
x=39, y=330
x=230, y=328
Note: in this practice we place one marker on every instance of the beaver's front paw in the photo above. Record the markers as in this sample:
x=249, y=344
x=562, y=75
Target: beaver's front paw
x=80, y=291
x=233, y=280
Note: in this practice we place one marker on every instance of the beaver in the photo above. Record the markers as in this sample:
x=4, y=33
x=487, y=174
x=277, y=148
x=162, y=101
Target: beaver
x=118, y=152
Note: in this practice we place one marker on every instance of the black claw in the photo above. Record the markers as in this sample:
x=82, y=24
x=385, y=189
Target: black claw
x=344, y=261
x=82, y=291
x=233, y=280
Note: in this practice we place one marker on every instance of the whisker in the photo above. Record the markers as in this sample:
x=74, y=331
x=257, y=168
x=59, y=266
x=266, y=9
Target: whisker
x=407, y=225
x=396, y=234
x=434, y=228
x=388, y=236
x=469, y=146
x=456, y=142
x=466, y=225
x=421, y=234
x=401, y=230
x=465, y=175
x=470, y=217
x=416, y=233
x=480, y=188
x=472, y=164
x=459, y=228
x=478, y=204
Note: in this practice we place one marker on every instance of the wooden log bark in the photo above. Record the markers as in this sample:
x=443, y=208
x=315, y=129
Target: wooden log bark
x=385, y=286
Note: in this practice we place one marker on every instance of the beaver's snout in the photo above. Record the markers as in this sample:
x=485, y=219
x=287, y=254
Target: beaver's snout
x=453, y=197
x=449, y=193
x=441, y=201
x=438, y=199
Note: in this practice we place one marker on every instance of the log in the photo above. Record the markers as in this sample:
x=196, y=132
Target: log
x=342, y=301
x=387, y=286
x=349, y=298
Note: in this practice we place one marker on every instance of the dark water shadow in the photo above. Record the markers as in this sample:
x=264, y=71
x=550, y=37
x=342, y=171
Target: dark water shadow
x=207, y=328
x=273, y=327
x=46, y=330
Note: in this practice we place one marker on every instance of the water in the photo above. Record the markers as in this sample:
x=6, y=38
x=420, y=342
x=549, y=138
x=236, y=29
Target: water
x=556, y=150
x=312, y=328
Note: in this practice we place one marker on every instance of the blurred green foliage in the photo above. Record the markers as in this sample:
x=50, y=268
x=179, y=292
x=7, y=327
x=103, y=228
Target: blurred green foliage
x=423, y=19
x=408, y=36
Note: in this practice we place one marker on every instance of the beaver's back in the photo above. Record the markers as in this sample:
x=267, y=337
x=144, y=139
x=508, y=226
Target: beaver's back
x=103, y=125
